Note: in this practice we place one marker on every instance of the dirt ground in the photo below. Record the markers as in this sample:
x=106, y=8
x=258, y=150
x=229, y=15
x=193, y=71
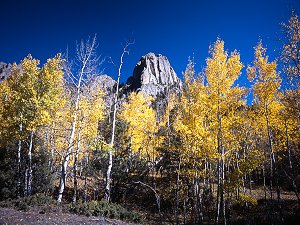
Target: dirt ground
x=9, y=216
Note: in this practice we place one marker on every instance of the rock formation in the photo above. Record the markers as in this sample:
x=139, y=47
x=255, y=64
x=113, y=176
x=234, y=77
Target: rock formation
x=153, y=74
x=108, y=86
x=4, y=70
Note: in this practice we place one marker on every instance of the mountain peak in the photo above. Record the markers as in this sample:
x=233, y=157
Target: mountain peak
x=152, y=74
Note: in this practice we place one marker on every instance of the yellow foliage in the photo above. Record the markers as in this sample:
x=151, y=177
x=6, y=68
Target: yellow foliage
x=247, y=199
x=208, y=114
x=141, y=124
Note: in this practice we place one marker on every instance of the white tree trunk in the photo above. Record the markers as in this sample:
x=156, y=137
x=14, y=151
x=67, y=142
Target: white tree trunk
x=30, y=164
x=223, y=186
x=88, y=60
x=75, y=169
x=110, y=157
x=112, y=142
x=65, y=162
x=19, y=164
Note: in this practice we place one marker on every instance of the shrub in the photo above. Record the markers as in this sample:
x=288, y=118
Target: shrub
x=39, y=199
x=8, y=203
x=103, y=208
x=24, y=203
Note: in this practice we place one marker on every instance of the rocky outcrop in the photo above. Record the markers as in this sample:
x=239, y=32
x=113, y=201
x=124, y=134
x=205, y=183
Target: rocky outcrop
x=106, y=82
x=5, y=70
x=108, y=85
x=153, y=74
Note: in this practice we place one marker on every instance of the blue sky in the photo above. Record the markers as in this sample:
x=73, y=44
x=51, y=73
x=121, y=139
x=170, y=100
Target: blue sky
x=175, y=28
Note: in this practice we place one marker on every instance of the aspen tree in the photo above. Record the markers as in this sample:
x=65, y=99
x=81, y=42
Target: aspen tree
x=189, y=124
x=31, y=100
x=266, y=92
x=221, y=72
x=114, y=114
x=90, y=113
x=87, y=63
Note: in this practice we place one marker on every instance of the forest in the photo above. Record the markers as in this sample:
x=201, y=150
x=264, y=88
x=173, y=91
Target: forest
x=207, y=155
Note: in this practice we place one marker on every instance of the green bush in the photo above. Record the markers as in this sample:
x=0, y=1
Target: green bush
x=22, y=205
x=26, y=202
x=103, y=208
x=39, y=199
x=8, y=203
x=93, y=208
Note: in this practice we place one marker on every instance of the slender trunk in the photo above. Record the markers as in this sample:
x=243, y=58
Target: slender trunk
x=177, y=191
x=157, y=197
x=65, y=163
x=264, y=181
x=277, y=183
x=221, y=171
x=63, y=177
x=75, y=169
x=244, y=186
x=195, y=192
x=184, y=207
x=52, y=142
x=19, y=163
x=210, y=180
x=108, y=177
x=193, y=202
x=250, y=184
x=48, y=140
x=245, y=176
x=271, y=177
x=223, y=186
x=272, y=159
x=198, y=202
x=205, y=172
x=30, y=164
x=66, y=158
x=288, y=145
x=80, y=171
x=110, y=157
x=85, y=176
x=85, y=189
x=26, y=180
x=218, y=193
x=238, y=168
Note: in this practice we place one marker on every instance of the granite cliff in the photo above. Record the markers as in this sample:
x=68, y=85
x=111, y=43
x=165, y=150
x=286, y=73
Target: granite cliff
x=152, y=75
